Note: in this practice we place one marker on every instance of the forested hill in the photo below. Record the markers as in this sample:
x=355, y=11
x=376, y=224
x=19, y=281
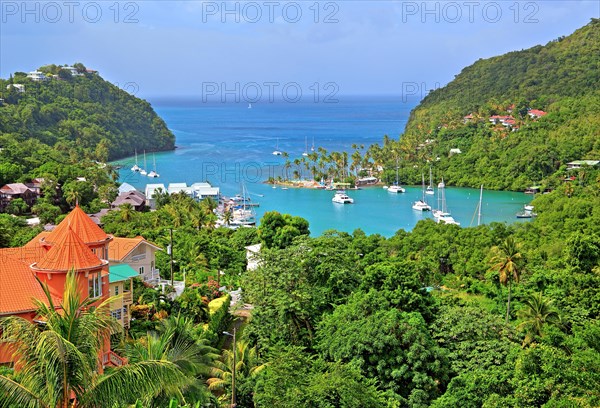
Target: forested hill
x=79, y=110
x=561, y=78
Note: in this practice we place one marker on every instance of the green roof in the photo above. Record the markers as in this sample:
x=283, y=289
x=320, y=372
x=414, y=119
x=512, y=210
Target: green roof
x=118, y=273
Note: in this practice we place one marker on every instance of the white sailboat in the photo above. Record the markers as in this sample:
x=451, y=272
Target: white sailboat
x=441, y=214
x=312, y=149
x=135, y=167
x=421, y=205
x=478, y=209
x=396, y=188
x=244, y=217
x=153, y=173
x=276, y=152
x=143, y=171
x=429, y=189
x=305, y=154
x=249, y=106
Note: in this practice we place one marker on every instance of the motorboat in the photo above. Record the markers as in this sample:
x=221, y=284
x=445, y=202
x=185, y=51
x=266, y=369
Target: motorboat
x=342, y=198
x=395, y=189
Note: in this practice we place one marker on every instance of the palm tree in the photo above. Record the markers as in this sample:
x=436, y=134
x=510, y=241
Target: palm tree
x=227, y=217
x=537, y=313
x=198, y=218
x=175, y=343
x=73, y=197
x=127, y=212
x=507, y=261
x=247, y=365
x=58, y=361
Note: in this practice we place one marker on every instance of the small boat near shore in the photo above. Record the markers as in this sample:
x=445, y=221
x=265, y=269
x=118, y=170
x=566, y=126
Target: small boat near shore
x=527, y=212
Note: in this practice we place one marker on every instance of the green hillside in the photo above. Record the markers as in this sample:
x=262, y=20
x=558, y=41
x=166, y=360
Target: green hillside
x=82, y=111
x=561, y=78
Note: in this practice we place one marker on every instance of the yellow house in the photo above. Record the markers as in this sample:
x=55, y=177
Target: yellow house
x=121, y=283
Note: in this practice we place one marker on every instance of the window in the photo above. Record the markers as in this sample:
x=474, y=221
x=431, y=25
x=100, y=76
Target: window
x=94, y=285
x=141, y=270
x=117, y=314
x=116, y=289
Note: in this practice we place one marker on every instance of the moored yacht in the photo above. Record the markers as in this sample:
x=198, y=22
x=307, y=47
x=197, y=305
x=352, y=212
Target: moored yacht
x=421, y=205
x=135, y=167
x=396, y=188
x=143, y=170
x=153, y=173
x=429, y=189
x=342, y=198
x=277, y=152
x=442, y=213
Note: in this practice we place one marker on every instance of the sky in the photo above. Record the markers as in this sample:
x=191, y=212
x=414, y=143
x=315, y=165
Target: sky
x=257, y=50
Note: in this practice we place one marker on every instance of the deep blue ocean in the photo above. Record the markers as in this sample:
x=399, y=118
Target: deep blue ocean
x=230, y=145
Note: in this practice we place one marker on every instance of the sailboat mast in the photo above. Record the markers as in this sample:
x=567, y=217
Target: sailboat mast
x=479, y=212
x=423, y=189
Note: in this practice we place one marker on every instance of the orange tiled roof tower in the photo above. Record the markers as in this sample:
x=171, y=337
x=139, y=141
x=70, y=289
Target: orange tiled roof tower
x=76, y=243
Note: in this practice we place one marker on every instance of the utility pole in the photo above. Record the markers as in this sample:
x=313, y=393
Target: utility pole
x=171, y=253
x=233, y=401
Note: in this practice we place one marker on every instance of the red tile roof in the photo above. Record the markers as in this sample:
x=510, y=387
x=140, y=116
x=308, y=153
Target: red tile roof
x=27, y=254
x=82, y=225
x=537, y=112
x=17, y=286
x=69, y=251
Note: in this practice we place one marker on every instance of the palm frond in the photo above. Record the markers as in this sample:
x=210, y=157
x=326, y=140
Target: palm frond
x=13, y=394
x=123, y=385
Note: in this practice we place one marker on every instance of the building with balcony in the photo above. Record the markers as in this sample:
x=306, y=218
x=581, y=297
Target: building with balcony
x=138, y=253
x=121, y=285
x=75, y=244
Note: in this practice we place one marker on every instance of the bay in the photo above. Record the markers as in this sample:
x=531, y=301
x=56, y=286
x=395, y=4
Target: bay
x=230, y=145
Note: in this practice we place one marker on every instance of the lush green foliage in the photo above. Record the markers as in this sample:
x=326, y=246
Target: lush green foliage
x=80, y=115
x=561, y=78
x=59, y=360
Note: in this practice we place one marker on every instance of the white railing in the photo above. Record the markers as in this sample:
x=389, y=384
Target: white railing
x=136, y=258
x=151, y=277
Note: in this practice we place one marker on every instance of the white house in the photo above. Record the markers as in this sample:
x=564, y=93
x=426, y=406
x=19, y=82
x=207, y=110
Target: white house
x=202, y=190
x=455, y=151
x=150, y=191
x=19, y=87
x=176, y=188
x=37, y=76
x=73, y=71
x=577, y=164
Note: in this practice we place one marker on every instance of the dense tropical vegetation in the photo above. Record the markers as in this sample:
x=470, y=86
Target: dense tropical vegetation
x=493, y=316
x=560, y=78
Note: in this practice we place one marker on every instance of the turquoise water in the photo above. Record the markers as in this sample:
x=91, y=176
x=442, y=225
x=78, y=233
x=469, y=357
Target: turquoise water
x=230, y=145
